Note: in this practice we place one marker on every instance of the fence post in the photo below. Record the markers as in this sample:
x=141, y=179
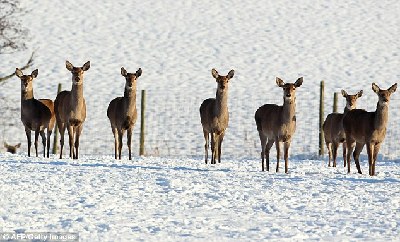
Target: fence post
x=142, y=120
x=55, y=141
x=335, y=101
x=321, y=120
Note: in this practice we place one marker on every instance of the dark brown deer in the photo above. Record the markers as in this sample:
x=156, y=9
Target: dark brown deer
x=215, y=116
x=278, y=123
x=12, y=148
x=70, y=110
x=333, y=128
x=362, y=127
x=36, y=114
x=122, y=112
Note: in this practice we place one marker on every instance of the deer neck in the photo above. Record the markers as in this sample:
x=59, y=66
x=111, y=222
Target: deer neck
x=221, y=103
x=130, y=98
x=381, y=116
x=346, y=109
x=77, y=99
x=289, y=110
x=27, y=95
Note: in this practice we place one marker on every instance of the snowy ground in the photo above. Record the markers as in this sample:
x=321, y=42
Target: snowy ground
x=175, y=196
x=183, y=199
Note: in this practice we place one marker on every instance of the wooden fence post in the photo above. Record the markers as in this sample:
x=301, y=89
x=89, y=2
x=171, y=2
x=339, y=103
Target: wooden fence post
x=321, y=120
x=335, y=101
x=55, y=139
x=142, y=122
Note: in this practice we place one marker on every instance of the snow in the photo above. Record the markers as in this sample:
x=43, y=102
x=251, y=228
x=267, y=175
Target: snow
x=171, y=194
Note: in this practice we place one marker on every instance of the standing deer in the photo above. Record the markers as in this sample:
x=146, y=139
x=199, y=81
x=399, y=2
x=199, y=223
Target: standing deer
x=36, y=114
x=362, y=127
x=12, y=148
x=70, y=109
x=278, y=123
x=122, y=112
x=333, y=128
x=215, y=116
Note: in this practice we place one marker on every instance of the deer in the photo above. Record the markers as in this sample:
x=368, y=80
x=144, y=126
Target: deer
x=362, y=127
x=36, y=114
x=333, y=128
x=12, y=148
x=122, y=112
x=214, y=116
x=277, y=124
x=70, y=108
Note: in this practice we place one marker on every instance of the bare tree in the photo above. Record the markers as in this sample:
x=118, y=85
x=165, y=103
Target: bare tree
x=12, y=34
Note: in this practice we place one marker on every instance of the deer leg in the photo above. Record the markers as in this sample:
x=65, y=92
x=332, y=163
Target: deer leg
x=270, y=143
x=216, y=147
x=356, y=155
x=329, y=148
x=36, y=141
x=263, y=141
x=335, y=147
x=42, y=134
x=78, y=131
x=286, y=155
x=344, y=153
x=49, y=131
x=350, y=147
x=61, y=128
x=212, y=147
x=206, y=137
x=115, y=133
x=71, y=134
x=376, y=151
x=28, y=137
x=221, y=138
x=129, y=143
x=277, y=154
x=370, y=152
x=120, y=134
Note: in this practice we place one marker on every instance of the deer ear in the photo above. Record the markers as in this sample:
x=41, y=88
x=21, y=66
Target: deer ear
x=138, y=72
x=69, y=66
x=18, y=145
x=5, y=145
x=393, y=88
x=86, y=66
x=35, y=73
x=360, y=93
x=18, y=73
x=123, y=72
x=279, y=82
x=214, y=73
x=375, y=88
x=231, y=73
x=298, y=82
x=344, y=93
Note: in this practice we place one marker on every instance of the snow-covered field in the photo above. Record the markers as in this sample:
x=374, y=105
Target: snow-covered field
x=175, y=196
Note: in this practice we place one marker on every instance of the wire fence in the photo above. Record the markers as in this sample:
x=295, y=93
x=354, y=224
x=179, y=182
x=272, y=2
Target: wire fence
x=173, y=127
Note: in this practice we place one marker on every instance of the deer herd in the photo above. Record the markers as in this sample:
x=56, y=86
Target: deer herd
x=275, y=124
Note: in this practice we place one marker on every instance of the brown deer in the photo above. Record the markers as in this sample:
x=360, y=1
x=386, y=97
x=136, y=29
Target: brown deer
x=333, y=128
x=362, y=127
x=278, y=123
x=36, y=114
x=70, y=109
x=215, y=116
x=12, y=148
x=122, y=112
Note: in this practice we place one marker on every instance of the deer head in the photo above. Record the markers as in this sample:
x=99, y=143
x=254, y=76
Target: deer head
x=289, y=89
x=77, y=72
x=12, y=148
x=222, y=80
x=130, y=77
x=26, y=80
x=351, y=100
x=384, y=95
